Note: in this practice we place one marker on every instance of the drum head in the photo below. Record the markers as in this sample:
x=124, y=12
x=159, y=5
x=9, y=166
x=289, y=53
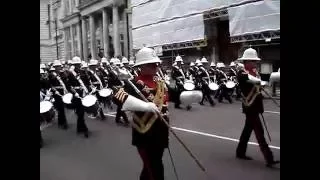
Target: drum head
x=213, y=86
x=230, y=84
x=189, y=86
x=67, y=98
x=89, y=101
x=105, y=92
x=45, y=106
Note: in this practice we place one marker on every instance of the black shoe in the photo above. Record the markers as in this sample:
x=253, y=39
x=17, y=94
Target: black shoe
x=244, y=157
x=201, y=103
x=230, y=100
x=119, y=122
x=63, y=126
x=126, y=124
x=177, y=107
x=189, y=107
x=272, y=163
x=86, y=134
x=102, y=117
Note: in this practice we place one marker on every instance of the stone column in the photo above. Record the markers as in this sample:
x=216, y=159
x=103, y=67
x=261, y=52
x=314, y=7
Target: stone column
x=72, y=41
x=105, y=27
x=79, y=38
x=129, y=11
x=84, y=39
x=92, y=37
x=115, y=29
x=66, y=57
x=101, y=34
x=215, y=48
x=125, y=33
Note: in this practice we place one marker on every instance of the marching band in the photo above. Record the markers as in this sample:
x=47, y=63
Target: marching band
x=144, y=88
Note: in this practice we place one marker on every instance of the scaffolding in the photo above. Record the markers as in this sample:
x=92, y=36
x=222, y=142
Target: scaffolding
x=185, y=45
x=268, y=35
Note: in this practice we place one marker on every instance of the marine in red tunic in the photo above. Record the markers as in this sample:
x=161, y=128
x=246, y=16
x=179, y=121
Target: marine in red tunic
x=149, y=133
x=252, y=106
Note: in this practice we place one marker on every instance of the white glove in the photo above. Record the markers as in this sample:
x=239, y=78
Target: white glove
x=135, y=104
x=253, y=79
x=153, y=107
x=77, y=95
x=57, y=93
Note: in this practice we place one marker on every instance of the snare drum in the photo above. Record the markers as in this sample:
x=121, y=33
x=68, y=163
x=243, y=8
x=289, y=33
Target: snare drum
x=47, y=113
x=189, y=85
x=67, y=100
x=90, y=104
x=213, y=86
x=230, y=84
x=106, y=92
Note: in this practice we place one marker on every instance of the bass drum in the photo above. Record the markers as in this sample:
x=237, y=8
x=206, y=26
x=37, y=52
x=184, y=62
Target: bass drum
x=90, y=104
x=190, y=97
x=47, y=113
x=67, y=100
x=230, y=84
x=213, y=86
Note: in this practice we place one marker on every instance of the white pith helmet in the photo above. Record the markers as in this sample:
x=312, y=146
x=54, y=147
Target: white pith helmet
x=56, y=63
x=220, y=65
x=76, y=60
x=204, y=60
x=93, y=62
x=124, y=60
x=250, y=54
x=131, y=63
x=146, y=56
x=232, y=64
x=178, y=59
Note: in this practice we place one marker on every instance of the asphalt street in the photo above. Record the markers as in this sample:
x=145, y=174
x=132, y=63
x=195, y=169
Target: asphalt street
x=210, y=132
